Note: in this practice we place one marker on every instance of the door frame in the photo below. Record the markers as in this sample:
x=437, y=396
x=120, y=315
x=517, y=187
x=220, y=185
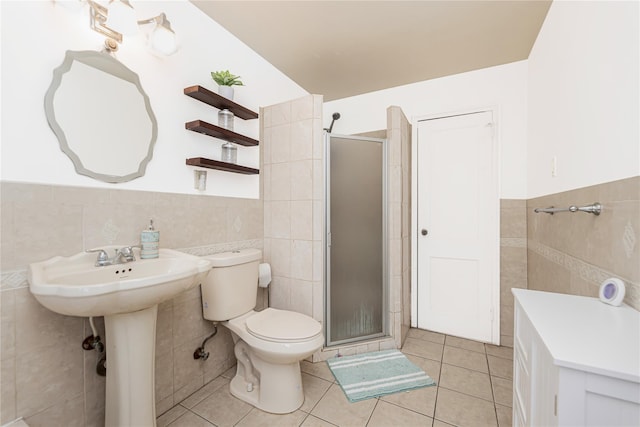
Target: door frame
x=329, y=342
x=497, y=144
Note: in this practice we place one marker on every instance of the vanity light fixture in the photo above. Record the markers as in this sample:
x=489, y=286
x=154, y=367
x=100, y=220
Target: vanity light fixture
x=162, y=38
x=119, y=19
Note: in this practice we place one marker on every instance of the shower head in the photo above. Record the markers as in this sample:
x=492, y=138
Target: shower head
x=334, y=117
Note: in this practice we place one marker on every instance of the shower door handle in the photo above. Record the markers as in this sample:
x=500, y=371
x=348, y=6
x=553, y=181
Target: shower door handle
x=424, y=232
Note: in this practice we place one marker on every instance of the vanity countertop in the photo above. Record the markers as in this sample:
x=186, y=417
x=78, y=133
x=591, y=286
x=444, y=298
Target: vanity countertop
x=584, y=333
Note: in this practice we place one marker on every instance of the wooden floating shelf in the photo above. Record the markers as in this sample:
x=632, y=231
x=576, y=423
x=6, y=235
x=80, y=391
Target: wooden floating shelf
x=221, y=133
x=223, y=166
x=220, y=102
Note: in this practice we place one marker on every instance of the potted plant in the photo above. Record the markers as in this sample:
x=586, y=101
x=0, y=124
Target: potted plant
x=226, y=81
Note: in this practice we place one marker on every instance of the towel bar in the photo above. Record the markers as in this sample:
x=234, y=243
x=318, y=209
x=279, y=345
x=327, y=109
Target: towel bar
x=594, y=208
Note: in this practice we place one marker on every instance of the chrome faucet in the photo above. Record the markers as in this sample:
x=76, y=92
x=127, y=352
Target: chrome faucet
x=122, y=256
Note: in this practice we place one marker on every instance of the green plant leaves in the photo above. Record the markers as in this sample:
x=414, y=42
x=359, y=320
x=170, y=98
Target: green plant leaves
x=225, y=78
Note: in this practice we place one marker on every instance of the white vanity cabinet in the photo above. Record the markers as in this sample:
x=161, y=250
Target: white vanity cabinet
x=576, y=361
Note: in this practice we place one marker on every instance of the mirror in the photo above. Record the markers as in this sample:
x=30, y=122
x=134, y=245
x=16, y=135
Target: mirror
x=102, y=117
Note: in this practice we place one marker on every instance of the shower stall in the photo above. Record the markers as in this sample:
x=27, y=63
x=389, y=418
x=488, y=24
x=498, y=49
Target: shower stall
x=355, y=240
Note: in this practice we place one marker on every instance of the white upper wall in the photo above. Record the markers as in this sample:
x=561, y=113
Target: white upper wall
x=504, y=87
x=35, y=36
x=583, y=96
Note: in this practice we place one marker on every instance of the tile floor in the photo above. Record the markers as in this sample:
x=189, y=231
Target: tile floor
x=474, y=389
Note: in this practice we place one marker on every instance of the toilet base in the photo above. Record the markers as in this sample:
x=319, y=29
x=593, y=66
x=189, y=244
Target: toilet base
x=279, y=389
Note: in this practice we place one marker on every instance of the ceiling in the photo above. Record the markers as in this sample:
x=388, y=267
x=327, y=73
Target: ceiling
x=344, y=48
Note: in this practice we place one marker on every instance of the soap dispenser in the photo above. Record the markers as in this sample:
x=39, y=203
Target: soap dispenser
x=150, y=242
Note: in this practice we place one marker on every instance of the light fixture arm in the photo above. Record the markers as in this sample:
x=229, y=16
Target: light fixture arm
x=98, y=15
x=157, y=19
x=97, y=20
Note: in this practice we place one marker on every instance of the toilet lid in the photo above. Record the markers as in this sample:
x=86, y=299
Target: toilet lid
x=281, y=325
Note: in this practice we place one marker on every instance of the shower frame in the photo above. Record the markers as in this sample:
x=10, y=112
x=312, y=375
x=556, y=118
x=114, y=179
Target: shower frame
x=327, y=242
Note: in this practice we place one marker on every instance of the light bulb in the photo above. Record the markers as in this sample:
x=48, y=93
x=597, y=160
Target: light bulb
x=163, y=40
x=121, y=17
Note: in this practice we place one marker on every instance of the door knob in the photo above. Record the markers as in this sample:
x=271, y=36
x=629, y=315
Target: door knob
x=424, y=232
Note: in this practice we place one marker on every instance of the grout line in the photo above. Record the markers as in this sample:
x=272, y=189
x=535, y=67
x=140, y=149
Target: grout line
x=374, y=409
x=307, y=415
x=466, y=367
x=495, y=410
x=185, y=413
x=253, y=408
x=405, y=408
x=435, y=403
x=321, y=397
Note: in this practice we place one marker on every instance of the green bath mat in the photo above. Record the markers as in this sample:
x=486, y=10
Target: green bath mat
x=375, y=374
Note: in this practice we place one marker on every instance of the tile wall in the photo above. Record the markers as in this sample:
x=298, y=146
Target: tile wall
x=513, y=261
x=399, y=220
x=292, y=189
x=45, y=375
x=573, y=253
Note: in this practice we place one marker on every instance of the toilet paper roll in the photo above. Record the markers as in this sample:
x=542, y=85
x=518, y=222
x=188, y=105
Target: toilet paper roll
x=264, y=275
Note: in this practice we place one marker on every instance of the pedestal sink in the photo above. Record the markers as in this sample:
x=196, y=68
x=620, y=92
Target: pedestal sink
x=127, y=295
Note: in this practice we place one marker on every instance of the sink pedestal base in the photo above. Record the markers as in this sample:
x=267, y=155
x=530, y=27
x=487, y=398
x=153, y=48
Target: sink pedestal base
x=130, y=396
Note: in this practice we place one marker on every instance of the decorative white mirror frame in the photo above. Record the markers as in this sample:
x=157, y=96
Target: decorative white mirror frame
x=128, y=127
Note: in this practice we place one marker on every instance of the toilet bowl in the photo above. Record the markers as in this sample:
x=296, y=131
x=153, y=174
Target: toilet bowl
x=268, y=344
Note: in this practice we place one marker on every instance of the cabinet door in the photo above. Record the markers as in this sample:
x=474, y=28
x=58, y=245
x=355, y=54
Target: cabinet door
x=592, y=400
x=521, y=368
x=544, y=386
x=535, y=377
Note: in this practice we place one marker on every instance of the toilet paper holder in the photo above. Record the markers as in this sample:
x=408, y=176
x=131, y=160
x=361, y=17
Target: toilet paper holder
x=264, y=275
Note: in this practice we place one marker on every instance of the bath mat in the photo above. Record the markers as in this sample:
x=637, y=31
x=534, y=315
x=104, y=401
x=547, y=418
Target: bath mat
x=368, y=375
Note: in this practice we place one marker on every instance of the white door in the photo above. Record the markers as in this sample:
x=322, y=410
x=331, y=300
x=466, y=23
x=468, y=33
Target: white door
x=458, y=227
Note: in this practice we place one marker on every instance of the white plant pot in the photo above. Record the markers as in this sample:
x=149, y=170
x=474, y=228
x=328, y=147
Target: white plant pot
x=226, y=91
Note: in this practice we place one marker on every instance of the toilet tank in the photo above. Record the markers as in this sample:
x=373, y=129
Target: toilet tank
x=230, y=289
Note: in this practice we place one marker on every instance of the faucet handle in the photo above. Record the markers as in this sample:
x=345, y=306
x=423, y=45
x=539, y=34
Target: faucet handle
x=103, y=258
x=127, y=252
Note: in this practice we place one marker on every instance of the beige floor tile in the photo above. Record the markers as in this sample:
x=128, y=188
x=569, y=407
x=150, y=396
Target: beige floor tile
x=314, y=388
x=422, y=400
x=421, y=334
x=170, y=416
x=504, y=416
x=221, y=408
x=385, y=414
x=462, y=410
x=499, y=351
x=258, y=418
x=464, y=343
x=69, y=413
x=465, y=396
x=500, y=367
x=312, y=421
x=422, y=348
x=230, y=373
x=431, y=367
x=189, y=419
x=465, y=359
x=318, y=369
x=502, y=391
x=335, y=408
x=205, y=392
x=466, y=381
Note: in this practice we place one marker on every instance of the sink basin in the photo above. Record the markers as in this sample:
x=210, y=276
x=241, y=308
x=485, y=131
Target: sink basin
x=127, y=295
x=75, y=287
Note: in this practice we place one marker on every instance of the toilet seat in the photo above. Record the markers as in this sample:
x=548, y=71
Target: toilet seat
x=282, y=326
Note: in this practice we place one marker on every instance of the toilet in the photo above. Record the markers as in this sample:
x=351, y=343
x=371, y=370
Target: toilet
x=269, y=344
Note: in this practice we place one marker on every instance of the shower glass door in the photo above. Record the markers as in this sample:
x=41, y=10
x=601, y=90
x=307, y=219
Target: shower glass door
x=355, y=256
